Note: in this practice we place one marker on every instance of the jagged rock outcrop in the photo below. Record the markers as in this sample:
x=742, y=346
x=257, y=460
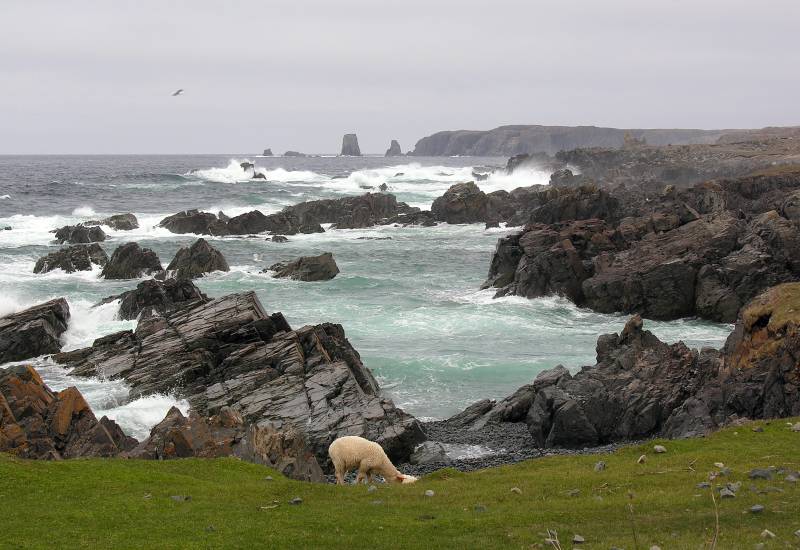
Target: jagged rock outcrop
x=197, y=260
x=704, y=251
x=38, y=423
x=466, y=203
x=306, y=217
x=152, y=297
x=119, y=222
x=642, y=387
x=131, y=261
x=226, y=434
x=394, y=149
x=350, y=146
x=79, y=234
x=506, y=141
x=194, y=221
x=34, y=331
x=78, y=257
x=267, y=153
x=307, y=268
x=230, y=353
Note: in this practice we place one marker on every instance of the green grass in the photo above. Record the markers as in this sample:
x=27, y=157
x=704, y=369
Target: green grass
x=126, y=504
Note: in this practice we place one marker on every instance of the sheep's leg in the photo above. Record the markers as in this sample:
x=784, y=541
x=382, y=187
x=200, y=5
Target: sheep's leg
x=339, y=477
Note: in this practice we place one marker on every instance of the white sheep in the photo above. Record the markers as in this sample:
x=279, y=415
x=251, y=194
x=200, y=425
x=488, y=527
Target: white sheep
x=351, y=452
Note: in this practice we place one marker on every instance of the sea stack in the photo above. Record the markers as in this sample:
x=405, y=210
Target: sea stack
x=267, y=153
x=350, y=146
x=394, y=149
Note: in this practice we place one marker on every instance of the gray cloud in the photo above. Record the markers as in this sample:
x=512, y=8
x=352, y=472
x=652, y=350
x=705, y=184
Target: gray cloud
x=91, y=76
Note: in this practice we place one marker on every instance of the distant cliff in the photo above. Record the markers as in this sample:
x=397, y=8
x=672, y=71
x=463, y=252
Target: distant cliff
x=513, y=140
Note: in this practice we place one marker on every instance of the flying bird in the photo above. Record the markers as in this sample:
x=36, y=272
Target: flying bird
x=179, y=92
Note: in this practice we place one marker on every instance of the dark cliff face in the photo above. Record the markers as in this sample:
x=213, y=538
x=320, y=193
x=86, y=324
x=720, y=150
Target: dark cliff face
x=513, y=140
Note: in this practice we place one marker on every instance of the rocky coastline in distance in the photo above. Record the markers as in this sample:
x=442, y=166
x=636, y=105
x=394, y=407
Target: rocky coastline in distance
x=666, y=247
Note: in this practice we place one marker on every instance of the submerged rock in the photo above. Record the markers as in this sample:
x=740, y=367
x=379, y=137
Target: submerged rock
x=36, y=422
x=34, y=331
x=229, y=353
x=119, y=222
x=78, y=257
x=308, y=268
x=130, y=261
x=196, y=260
x=79, y=234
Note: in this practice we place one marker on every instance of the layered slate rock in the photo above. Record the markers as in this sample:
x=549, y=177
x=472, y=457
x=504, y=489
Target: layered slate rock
x=33, y=332
x=197, y=260
x=350, y=146
x=36, y=422
x=79, y=234
x=194, y=221
x=230, y=353
x=642, y=387
x=703, y=251
x=466, y=203
x=307, y=268
x=152, y=297
x=78, y=257
x=227, y=434
x=131, y=261
x=118, y=222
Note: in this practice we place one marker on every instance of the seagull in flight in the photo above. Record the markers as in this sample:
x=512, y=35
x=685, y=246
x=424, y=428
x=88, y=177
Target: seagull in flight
x=179, y=92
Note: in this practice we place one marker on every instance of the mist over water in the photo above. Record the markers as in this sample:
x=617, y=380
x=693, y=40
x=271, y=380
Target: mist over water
x=408, y=298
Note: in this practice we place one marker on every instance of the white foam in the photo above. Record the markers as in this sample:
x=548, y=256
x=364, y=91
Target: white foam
x=234, y=173
x=4, y=197
x=137, y=417
x=84, y=211
x=87, y=323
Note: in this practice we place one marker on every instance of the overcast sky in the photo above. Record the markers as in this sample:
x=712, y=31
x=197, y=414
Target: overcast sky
x=96, y=76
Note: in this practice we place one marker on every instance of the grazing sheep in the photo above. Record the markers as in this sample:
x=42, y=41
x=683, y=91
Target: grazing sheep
x=351, y=452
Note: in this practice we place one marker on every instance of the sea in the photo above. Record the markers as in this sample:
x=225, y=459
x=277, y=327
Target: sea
x=409, y=298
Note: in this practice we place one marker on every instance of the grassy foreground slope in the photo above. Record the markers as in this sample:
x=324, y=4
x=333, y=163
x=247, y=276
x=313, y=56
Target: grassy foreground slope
x=128, y=504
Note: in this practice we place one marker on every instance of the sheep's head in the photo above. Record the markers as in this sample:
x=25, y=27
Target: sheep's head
x=406, y=479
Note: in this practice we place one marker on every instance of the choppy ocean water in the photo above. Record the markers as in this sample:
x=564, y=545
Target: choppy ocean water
x=410, y=304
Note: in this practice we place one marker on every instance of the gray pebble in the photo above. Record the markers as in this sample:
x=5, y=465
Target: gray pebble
x=760, y=473
x=758, y=429
x=268, y=478
x=574, y=492
x=377, y=502
x=659, y=449
x=429, y=493
x=756, y=509
x=516, y=490
x=726, y=493
x=480, y=508
x=371, y=489
x=296, y=500
x=795, y=428
x=600, y=466
x=725, y=471
x=180, y=498
x=791, y=478
x=703, y=485
x=577, y=539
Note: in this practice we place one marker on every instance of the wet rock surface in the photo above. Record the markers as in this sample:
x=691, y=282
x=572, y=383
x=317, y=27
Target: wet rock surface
x=119, y=222
x=34, y=331
x=196, y=260
x=230, y=353
x=307, y=268
x=131, y=261
x=78, y=257
x=153, y=297
x=79, y=234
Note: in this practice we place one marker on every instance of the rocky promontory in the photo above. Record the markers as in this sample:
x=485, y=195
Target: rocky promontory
x=34, y=331
x=229, y=352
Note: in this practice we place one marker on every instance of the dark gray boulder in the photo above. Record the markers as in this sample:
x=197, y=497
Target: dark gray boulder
x=466, y=203
x=307, y=268
x=152, y=297
x=267, y=153
x=350, y=146
x=78, y=257
x=194, y=221
x=33, y=332
x=230, y=353
x=79, y=234
x=131, y=261
x=196, y=260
